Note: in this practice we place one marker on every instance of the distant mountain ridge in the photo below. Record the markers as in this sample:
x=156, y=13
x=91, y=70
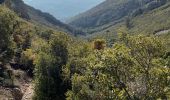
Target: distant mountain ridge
x=63, y=9
x=31, y=14
x=111, y=12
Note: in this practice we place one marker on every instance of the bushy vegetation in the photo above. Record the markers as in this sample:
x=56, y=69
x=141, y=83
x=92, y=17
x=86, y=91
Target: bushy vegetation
x=15, y=47
x=134, y=67
x=131, y=67
x=49, y=84
x=7, y=23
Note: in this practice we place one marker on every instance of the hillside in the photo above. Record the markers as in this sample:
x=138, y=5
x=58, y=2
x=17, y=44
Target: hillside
x=127, y=60
x=38, y=17
x=113, y=12
x=63, y=9
x=20, y=43
x=150, y=22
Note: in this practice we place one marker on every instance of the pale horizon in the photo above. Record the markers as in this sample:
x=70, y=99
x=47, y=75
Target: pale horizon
x=63, y=9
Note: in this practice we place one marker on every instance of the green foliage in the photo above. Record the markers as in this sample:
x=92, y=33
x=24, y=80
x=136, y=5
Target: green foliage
x=133, y=68
x=46, y=35
x=27, y=60
x=44, y=89
x=15, y=34
x=145, y=51
x=48, y=83
x=58, y=46
x=7, y=23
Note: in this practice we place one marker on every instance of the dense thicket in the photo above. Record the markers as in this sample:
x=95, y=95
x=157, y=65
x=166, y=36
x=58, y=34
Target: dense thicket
x=134, y=68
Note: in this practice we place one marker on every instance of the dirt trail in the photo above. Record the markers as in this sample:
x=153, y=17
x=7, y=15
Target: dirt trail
x=29, y=92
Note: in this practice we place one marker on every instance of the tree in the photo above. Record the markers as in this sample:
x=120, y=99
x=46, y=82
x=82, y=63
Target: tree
x=128, y=23
x=44, y=82
x=147, y=53
x=58, y=45
x=49, y=84
x=104, y=75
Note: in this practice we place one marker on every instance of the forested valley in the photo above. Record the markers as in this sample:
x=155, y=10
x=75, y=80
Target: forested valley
x=45, y=59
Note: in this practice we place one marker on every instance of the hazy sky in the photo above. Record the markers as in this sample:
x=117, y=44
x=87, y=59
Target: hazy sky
x=63, y=9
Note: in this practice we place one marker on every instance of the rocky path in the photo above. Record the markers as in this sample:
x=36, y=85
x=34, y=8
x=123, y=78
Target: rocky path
x=28, y=94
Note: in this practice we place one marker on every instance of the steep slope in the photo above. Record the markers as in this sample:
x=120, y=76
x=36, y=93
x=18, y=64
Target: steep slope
x=112, y=12
x=63, y=9
x=31, y=14
x=20, y=42
x=152, y=22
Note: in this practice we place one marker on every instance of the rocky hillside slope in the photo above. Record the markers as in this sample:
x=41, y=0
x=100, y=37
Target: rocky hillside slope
x=34, y=15
x=112, y=12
